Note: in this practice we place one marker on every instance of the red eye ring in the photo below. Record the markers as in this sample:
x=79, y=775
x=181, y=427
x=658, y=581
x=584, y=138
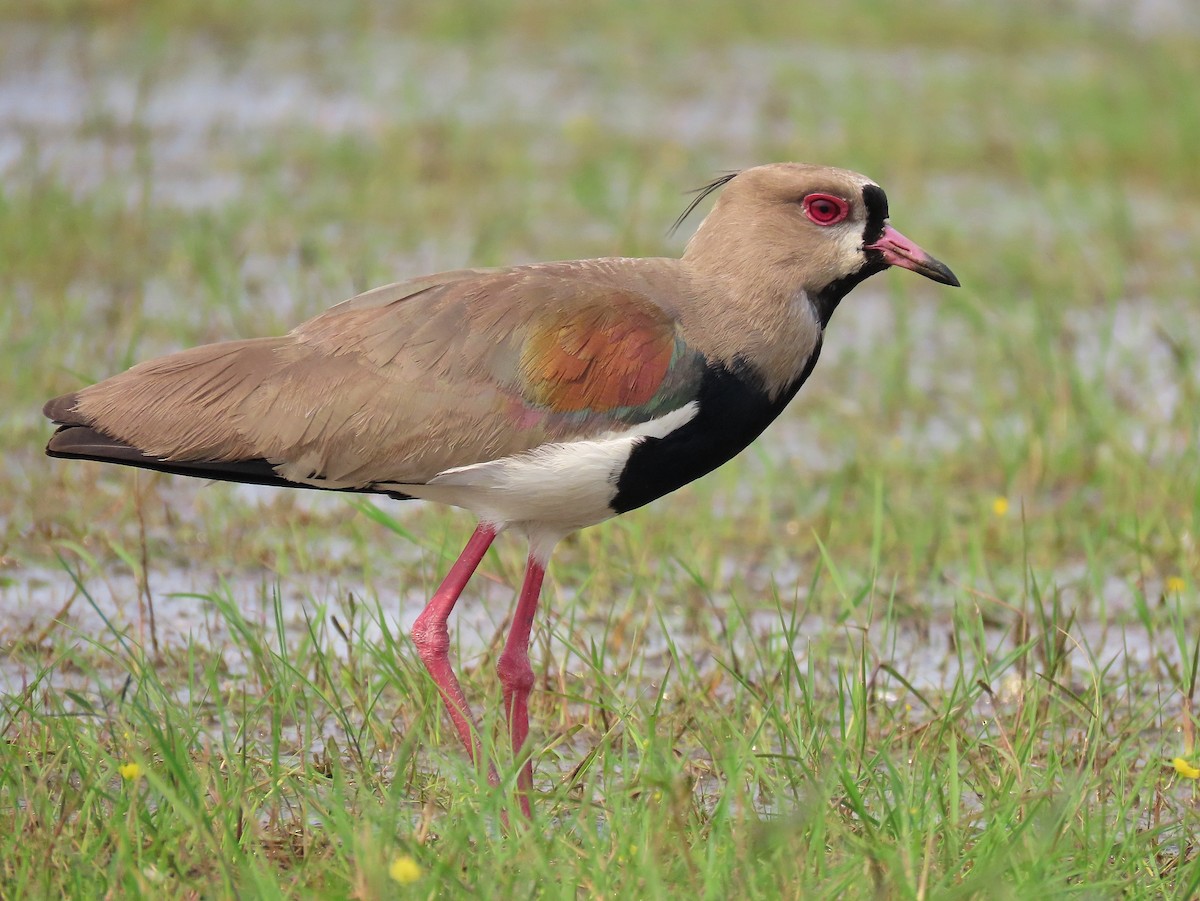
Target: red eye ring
x=825, y=209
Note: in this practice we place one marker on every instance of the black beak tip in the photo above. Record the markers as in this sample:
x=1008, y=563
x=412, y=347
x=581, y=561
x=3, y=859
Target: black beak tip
x=940, y=272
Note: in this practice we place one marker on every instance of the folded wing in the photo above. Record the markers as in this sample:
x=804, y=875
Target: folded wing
x=401, y=383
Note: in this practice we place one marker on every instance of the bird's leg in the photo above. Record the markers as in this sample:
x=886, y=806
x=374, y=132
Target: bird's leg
x=432, y=638
x=516, y=674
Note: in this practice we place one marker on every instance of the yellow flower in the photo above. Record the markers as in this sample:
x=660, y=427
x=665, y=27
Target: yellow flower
x=1175, y=585
x=405, y=870
x=130, y=771
x=1000, y=506
x=1185, y=769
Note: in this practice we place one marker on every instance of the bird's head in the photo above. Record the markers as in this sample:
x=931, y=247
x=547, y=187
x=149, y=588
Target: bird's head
x=813, y=228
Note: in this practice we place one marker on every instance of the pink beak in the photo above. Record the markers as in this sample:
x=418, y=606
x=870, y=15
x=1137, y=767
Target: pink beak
x=897, y=250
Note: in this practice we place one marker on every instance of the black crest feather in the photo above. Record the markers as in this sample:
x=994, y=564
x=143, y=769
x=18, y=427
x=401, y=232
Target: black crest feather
x=701, y=193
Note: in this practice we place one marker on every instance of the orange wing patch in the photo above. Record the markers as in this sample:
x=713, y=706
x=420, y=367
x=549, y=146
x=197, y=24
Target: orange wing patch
x=606, y=355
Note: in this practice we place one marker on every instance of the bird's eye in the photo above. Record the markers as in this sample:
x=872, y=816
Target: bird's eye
x=825, y=209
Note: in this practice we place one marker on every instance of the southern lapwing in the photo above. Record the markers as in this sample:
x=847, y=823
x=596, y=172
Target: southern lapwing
x=542, y=398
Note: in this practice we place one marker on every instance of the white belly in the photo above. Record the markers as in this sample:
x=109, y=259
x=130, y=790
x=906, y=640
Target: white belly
x=557, y=487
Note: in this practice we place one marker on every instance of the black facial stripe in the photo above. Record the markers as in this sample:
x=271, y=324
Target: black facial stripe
x=877, y=213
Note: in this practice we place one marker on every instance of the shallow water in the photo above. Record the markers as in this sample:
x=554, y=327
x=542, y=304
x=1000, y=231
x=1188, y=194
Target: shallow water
x=45, y=602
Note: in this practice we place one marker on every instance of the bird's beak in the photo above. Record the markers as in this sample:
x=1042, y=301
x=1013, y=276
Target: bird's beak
x=897, y=250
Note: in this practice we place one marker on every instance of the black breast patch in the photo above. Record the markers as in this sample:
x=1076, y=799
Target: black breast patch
x=734, y=410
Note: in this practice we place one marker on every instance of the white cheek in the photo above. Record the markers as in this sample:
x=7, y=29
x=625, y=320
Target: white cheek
x=850, y=255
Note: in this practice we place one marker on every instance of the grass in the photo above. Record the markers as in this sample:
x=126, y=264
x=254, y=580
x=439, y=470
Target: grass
x=834, y=668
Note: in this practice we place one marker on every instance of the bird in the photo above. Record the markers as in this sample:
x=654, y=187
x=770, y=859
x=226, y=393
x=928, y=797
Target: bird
x=543, y=398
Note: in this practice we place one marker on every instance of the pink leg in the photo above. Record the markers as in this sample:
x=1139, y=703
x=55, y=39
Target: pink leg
x=516, y=674
x=432, y=638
